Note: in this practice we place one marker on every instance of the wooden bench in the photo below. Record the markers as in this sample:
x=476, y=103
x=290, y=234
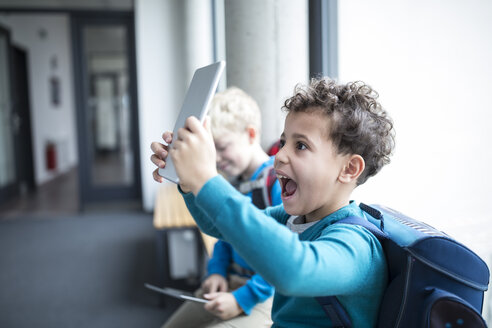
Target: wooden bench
x=182, y=249
x=170, y=212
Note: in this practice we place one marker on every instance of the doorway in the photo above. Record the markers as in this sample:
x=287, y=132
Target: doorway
x=105, y=84
x=8, y=174
x=16, y=162
x=22, y=121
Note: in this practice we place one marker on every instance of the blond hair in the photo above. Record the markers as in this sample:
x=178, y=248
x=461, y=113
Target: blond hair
x=233, y=110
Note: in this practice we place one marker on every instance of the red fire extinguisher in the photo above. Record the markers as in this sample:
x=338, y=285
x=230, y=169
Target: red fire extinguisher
x=50, y=156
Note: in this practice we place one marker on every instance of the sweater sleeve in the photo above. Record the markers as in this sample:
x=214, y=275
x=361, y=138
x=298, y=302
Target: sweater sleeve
x=256, y=290
x=221, y=259
x=202, y=220
x=206, y=224
x=338, y=261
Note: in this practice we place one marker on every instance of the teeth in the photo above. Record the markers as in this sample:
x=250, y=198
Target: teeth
x=281, y=177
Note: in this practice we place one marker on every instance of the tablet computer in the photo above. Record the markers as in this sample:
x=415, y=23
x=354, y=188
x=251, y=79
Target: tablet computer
x=197, y=100
x=176, y=293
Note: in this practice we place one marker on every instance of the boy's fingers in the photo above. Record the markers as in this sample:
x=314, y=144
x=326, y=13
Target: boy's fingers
x=192, y=124
x=212, y=287
x=167, y=137
x=210, y=296
x=157, y=161
x=207, y=125
x=159, y=155
x=156, y=176
x=159, y=149
x=155, y=146
x=205, y=284
x=154, y=159
x=212, y=305
x=223, y=287
x=183, y=134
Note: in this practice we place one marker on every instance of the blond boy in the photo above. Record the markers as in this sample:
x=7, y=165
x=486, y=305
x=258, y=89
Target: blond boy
x=238, y=296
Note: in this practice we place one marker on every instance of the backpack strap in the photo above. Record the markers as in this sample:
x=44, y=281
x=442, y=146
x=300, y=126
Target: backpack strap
x=335, y=311
x=261, y=188
x=330, y=304
x=375, y=230
x=270, y=181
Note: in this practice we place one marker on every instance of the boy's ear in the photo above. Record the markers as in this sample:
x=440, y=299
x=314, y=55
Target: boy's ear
x=353, y=168
x=252, y=134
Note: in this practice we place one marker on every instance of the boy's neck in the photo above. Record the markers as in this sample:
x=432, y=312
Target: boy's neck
x=343, y=196
x=257, y=159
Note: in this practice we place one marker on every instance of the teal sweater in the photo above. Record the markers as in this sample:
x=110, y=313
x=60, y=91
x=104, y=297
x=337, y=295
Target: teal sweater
x=256, y=289
x=326, y=259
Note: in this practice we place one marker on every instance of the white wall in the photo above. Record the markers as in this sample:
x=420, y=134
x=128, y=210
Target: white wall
x=173, y=38
x=48, y=122
x=430, y=62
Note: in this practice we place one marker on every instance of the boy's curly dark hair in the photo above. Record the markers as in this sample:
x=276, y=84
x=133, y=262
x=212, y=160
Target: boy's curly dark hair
x=359, y=124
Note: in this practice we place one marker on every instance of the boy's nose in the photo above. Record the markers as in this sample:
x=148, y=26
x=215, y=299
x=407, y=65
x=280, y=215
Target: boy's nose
x=280, y=157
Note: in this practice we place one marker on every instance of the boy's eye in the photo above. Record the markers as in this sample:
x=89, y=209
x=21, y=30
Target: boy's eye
x=281, y=143
x=301, y=146
x=220, y=149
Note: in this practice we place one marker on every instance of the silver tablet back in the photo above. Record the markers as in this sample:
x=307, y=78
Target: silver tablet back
x=197, y=100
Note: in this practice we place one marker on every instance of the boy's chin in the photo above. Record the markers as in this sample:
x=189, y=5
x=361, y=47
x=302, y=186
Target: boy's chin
x=228, y=173
x=292, y=211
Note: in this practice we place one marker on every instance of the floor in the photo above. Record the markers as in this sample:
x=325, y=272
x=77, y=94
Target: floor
x=58, y=197
x=53, y=208
x=83, y=270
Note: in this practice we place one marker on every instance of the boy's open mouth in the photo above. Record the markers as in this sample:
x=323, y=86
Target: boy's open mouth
x=288, y=185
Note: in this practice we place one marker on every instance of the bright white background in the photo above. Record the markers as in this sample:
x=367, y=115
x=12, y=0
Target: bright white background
x=430, y=62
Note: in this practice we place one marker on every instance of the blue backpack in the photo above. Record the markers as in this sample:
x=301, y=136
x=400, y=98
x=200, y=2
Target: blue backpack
x=434, y=281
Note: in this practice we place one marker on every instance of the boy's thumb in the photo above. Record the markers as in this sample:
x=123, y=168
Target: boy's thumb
x=210, y=296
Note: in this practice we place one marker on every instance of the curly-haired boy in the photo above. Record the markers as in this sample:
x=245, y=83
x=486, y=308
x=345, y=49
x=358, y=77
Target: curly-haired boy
x=335, y=137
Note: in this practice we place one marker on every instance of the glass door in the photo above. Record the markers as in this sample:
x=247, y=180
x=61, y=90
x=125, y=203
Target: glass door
x=7, y=122
x=107, y=112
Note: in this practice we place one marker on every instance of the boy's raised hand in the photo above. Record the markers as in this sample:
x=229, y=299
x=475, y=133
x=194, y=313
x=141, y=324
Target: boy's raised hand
x=193, y=154
x=160, y=153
